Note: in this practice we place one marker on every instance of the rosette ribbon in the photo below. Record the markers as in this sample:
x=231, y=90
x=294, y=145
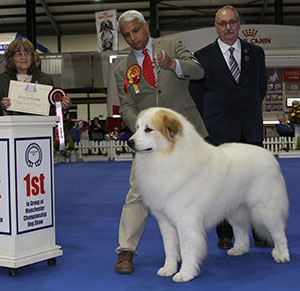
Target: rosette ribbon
x=133, y=74
x=55, y=98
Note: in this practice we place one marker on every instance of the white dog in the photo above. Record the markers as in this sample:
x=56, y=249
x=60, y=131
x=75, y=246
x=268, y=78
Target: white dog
x=190, y=185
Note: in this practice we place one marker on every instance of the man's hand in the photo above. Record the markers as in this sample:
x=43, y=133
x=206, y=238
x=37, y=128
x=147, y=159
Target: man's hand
x=163, y=60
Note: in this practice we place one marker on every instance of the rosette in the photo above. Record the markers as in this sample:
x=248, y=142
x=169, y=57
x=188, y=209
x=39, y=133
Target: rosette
x=133, y=74
x=55, y=98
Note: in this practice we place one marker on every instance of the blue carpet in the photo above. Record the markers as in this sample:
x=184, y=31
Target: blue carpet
x=89, y=198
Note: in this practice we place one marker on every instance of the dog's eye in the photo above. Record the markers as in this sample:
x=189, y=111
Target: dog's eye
x=148, y=129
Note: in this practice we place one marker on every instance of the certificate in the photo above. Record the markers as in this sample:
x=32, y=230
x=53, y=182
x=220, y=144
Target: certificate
x=29, y=97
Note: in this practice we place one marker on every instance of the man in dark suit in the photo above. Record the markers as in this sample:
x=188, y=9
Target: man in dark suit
x=229, y=98
x=174, y=65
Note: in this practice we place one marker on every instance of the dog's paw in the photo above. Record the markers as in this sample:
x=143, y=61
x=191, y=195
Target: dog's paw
x=166, y=272
x=182, y=277
x=281, y=257
x=238, y=251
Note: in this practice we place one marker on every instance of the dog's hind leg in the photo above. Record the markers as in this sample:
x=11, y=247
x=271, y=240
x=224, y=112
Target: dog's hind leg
x=193, y=251
x=269, y=223
x=171, y=247
x=275, y=227
x=280, y=252
x=240, y=220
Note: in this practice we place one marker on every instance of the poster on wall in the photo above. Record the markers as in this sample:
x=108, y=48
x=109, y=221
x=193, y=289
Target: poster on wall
x=34, y=184
x=107, y=34
x=274, y=96
x=5, y=223
x=292, y=75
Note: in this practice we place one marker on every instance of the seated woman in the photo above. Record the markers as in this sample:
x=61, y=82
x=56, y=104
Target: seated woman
x=96, y=132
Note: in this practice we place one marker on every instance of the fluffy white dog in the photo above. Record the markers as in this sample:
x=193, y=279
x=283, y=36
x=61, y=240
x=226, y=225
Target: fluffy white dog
x=190, y=186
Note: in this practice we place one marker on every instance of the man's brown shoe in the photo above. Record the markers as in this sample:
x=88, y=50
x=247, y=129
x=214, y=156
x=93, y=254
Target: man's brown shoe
x=124, y=264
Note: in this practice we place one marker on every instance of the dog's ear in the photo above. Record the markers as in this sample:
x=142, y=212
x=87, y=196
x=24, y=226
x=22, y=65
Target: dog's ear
x=172, y=125
x=102, y=26
x=110, y=25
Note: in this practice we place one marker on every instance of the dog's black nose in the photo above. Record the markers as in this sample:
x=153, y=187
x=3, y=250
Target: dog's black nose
x=130, y=143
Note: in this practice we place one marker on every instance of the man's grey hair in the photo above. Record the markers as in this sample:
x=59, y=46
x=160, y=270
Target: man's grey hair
x=225, y=8
x=129, y=16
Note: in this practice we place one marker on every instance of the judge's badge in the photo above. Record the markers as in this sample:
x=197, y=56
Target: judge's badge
x=133, y=74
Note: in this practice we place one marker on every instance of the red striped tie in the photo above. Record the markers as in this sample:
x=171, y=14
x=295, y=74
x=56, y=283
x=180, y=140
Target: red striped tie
x=147, y=69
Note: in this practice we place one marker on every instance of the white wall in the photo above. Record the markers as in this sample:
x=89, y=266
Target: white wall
x=70, y=43
x=96, y=110
x=75, y=43
x=78, y=43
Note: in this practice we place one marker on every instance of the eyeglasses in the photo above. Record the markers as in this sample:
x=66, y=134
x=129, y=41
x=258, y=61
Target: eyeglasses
x=26, y=54
x=232, y=22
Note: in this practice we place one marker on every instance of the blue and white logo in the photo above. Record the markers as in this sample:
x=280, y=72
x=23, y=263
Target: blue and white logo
x=30, y=88
x=33, y=155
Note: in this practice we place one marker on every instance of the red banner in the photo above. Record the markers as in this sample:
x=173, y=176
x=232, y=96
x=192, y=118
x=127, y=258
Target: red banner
x=291, y=75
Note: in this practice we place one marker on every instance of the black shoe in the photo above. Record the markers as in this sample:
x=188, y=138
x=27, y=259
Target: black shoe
x=225, y=243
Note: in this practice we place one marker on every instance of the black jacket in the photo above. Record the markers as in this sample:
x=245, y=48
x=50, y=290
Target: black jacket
x=231, y=110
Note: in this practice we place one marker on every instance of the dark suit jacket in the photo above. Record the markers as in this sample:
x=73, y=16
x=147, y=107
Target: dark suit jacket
x=230, y=110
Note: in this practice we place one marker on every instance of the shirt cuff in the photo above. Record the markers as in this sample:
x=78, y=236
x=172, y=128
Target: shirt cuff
x=178, y=70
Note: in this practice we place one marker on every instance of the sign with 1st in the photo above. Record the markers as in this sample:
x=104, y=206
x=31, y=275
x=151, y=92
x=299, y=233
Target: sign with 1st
x=34, y=184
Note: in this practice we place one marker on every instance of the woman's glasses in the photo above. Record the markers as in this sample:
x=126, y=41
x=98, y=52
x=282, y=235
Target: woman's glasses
x=26, y=54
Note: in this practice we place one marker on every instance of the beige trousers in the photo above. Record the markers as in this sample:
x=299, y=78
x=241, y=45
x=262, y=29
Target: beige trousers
x=133, y=218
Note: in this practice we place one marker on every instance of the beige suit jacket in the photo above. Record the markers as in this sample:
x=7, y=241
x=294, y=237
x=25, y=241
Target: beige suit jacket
x=172, y=92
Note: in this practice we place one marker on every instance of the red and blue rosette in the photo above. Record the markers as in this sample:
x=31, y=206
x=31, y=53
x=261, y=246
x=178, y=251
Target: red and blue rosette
x=55, y=98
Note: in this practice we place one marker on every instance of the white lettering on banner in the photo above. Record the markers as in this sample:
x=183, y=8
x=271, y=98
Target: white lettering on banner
x=34, y=184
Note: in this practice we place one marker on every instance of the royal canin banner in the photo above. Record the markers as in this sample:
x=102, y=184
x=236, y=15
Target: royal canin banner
x=271, y=37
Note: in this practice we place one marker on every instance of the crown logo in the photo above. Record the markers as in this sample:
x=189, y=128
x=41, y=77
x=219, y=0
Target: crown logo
x=249, y=32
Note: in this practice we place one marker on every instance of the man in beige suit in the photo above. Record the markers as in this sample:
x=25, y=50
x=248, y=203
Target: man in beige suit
x=174, y=66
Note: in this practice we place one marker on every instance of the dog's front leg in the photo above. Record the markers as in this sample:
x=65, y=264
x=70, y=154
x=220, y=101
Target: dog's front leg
x=192, y=239
x=171, y=247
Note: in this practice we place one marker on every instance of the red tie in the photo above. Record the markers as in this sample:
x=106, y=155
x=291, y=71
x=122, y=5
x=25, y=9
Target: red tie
x=147, y=69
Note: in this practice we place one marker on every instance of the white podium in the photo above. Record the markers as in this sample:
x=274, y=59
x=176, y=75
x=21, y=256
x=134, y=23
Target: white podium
x=27, y=212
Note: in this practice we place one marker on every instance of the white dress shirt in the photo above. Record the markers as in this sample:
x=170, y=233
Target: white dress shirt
x=237, y=53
